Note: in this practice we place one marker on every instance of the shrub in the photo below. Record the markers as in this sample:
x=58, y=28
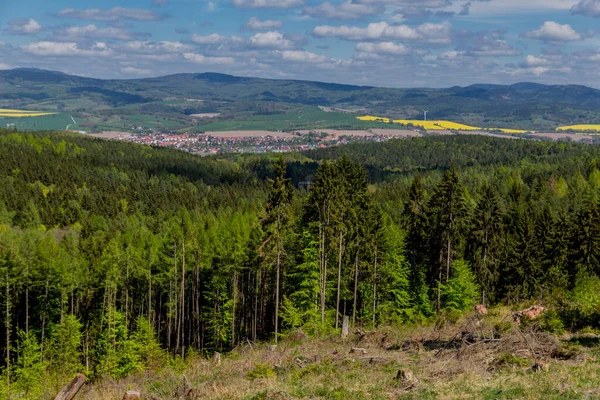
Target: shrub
x=461, y=291
x=260, y=371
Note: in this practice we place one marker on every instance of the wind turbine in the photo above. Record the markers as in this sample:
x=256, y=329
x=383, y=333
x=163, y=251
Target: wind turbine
x=425, y=115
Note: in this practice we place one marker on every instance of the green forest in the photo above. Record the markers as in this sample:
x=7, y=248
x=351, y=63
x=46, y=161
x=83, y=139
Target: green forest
x=115, y=257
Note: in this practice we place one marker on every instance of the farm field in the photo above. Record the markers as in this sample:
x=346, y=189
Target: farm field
x=302, y=118
x=435, y=125
x=42, y=122
x=581, y=128
x=22, y=113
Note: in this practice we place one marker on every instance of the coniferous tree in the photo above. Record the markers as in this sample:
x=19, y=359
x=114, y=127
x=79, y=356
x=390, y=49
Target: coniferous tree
x=275, y=223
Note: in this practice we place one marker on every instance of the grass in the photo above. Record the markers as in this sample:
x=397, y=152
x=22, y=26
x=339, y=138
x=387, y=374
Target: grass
x=324, y=368
x=301, y=118
x=44, y=122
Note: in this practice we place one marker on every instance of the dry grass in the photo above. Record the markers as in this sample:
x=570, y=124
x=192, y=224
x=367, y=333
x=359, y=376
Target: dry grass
x=476, y=358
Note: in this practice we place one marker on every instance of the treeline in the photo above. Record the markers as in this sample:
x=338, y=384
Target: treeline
x=110, y=252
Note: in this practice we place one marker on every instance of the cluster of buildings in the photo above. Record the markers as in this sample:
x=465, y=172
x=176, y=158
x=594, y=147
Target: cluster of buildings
x=245, y=143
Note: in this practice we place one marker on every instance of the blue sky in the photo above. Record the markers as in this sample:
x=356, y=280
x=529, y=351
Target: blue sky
x=394, y=43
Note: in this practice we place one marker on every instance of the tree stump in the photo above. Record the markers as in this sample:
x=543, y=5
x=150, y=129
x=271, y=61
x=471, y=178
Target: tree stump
x=406, y=378
x=345, y=326
x=72, y=388
x=217, y=359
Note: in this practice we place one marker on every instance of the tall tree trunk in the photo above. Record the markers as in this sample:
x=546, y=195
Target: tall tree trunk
x=355, y=288
x=44, y=321
x=374, y=286
x=7, y=323
x=339, y=280
x=277, y=288
x=233, y=318
x=181, y=326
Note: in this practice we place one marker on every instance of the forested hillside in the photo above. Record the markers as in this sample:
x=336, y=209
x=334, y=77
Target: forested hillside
x=116, y=257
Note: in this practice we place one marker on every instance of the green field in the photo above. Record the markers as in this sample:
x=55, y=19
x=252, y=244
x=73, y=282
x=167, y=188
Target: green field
x=307, y=117
x=47, y=122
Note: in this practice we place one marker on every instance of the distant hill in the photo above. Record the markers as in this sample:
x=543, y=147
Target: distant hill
x=523, y=105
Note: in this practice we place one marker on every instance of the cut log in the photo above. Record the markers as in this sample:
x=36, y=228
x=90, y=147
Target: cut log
x=358, y=350
x=70, y=391
x=132, y=395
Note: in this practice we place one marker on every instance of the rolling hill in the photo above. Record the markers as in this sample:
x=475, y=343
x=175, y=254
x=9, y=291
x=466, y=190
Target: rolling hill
x=174, y=97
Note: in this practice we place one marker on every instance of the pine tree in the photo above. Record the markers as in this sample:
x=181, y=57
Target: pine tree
x=275, y=223
x=486, y=241
x=446, y=211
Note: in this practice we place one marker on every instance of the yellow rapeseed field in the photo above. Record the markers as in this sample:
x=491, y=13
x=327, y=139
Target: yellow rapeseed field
x=439, y=125
x=590, y=127
x=22, y=113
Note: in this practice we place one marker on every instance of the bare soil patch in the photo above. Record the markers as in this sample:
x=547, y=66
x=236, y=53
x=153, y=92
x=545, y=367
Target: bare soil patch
x=205, y=115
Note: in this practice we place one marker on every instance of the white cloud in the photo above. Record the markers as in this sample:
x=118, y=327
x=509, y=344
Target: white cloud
x=135, y=71
x=533, y=61
x=428, y=32
x=5, y=66
x=160, y=2
x=46, y=48
x=346, y=10
x=589, y=8
x=554, y=32
x=254, y=24
x=158, y=48
x=388, y=48
x=202, y=59
x=213, y=38
x=267, y=3
x=302, y=56
x=76, y=33
x=24, y=27
x=114, y=14
x=271, y=39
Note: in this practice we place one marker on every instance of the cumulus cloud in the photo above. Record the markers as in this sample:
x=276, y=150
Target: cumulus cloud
x=588, y=8
x=213, y=38
x=485, y=44
x=112, y=15
x=202, y=59
x=255, y=24
x=271, y=39
x=76, y=33
x=267, y=3
x=553, y=32
x=302, y=56
x=347, y=10
x=158, y=48
x=384, y=48
x=135, y=71
x=59, y=49
x=428, y=32
x=24, y=27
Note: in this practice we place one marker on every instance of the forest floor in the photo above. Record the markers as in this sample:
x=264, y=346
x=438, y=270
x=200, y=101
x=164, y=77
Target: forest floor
x=478, y=357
